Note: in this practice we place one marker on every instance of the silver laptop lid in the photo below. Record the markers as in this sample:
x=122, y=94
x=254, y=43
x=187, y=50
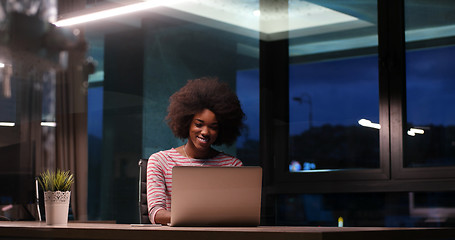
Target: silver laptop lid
x=216, y=196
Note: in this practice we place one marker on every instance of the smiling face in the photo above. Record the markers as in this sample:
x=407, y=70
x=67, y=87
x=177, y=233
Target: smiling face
x=203, y=132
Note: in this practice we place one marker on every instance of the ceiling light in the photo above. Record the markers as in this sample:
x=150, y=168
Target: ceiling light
x=114, y=12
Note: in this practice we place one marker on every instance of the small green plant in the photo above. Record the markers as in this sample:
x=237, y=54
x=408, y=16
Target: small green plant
x=56, y=181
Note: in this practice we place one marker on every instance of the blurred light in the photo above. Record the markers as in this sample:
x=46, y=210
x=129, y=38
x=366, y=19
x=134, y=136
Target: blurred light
x=295, y=166
x=417, y=130
x=340, y=222
x=7, y=124
x=76, y=32
x=48, y=124
x=7, y=71
x=367, y=123
x=7, y=207
x=114, y=12
x=309, y=166
x=413, y=131
x=256, y=13
x=44, y=124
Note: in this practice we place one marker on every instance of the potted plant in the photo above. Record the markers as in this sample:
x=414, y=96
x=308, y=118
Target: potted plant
x=57, y=191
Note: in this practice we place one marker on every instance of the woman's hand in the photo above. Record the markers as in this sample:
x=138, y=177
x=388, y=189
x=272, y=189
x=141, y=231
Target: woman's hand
x=163, y=217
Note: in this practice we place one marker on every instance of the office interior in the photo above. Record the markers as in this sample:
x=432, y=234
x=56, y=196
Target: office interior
x=349, y=104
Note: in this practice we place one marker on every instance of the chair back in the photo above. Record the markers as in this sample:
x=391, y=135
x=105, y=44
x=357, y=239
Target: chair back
x=39, y=200
x=142, y=203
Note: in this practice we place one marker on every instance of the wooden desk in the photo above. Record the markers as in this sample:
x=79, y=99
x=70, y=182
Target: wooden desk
x=95, y=231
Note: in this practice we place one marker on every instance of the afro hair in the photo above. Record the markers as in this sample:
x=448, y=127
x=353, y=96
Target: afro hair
x=206, y=93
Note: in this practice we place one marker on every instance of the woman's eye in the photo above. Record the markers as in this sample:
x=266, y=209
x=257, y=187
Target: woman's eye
x=198, y=125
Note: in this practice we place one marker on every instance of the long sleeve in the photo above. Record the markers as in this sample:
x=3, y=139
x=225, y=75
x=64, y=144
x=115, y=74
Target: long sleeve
x=156, y=186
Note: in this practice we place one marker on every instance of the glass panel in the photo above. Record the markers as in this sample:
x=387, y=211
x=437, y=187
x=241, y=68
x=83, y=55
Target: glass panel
x=400, y=209
x=248, y=93
x=95, y=96
x=430, y=84
x=27, y=125
x=7, y=96
x=333, y=87
x=48, y=117
x=141, y=60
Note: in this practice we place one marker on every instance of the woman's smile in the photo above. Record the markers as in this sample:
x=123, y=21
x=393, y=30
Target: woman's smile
x=203, y=133
x=203, y=139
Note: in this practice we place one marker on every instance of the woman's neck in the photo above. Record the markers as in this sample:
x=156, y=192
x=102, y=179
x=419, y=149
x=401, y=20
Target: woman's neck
x=192, y=152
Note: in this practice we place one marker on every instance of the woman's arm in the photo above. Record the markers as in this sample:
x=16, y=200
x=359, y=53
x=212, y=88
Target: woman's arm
x=156, y=189
x=163, y=217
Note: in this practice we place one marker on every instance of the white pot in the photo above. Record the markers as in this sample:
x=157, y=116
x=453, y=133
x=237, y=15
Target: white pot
x=56, y=206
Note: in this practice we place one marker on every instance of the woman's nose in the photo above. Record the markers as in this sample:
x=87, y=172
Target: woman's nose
x=204, y=131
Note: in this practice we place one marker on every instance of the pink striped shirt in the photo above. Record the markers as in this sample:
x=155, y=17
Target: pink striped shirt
x=159, y=176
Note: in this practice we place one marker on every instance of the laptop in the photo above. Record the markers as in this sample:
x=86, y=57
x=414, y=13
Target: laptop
x=216, y=196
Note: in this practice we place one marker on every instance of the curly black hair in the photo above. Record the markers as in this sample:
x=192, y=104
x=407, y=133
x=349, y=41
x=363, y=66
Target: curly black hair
x=206, y=93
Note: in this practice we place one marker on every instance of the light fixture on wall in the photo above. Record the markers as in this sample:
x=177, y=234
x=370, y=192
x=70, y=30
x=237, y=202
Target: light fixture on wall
x=367, y=123
x=43, y=124
x=412, y=131
x=48, y=124
x=131, y=8
x=7, y=124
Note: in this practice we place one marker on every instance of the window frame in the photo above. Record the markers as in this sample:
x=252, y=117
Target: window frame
x=391, y=175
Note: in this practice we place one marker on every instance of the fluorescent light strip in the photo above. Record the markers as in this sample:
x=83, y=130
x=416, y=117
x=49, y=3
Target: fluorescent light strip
x=114, y=12
x=12, y=124
x=48, y=124
x=7, y=124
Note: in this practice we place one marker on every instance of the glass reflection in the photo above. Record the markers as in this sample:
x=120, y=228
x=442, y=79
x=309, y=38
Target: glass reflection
x=324, y=120
x=142, y=59
x=429, y=84
x=333, y=86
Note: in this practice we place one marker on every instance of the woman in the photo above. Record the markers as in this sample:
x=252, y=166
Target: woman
x=205, y=112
